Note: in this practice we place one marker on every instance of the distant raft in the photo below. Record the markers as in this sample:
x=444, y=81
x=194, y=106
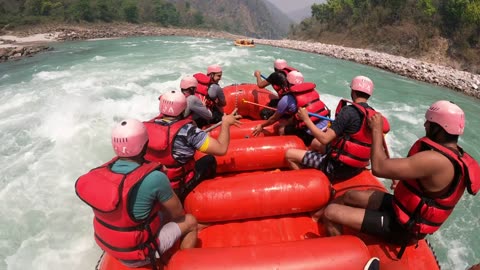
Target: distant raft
x=244, y=42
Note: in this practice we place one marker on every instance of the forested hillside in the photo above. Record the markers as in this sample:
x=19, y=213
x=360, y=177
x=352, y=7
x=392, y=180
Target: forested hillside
x=245, y=17
x=434, y=30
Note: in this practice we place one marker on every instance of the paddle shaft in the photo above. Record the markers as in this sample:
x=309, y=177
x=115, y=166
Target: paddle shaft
x=274, y=109
x=213, y=127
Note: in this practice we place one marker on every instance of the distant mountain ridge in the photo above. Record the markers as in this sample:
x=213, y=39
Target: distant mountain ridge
x=255, y=18
x=297, y=10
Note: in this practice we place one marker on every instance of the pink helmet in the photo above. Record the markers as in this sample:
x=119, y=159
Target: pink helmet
x=172, y=103
x=214, y=69
x=280, y=64
x=362, y=84
x=129, y=138
x=188, y=82
x=295, y=77
x=448, y=115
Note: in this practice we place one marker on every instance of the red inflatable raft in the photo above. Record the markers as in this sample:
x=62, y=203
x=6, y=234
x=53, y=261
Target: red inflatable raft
x=258, y=210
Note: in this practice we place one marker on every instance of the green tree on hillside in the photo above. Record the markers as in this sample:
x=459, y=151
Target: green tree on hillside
x=166, y=13
x=80, y=11
x=408, y=25
x=105, y=13
x=198, y=18
x=33, y=7
x=130, y=11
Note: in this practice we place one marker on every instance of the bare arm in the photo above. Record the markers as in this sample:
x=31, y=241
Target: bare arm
x=258, y=129
x=323, y=137
x=219, y=146
x=174, y=207
x=260, y=83
x=270, y=121
x=423, y=165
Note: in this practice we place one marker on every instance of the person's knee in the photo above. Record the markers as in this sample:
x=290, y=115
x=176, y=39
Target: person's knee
x=289, y=154
x=316, y=146
x=295, y=155
x=351, y=196
x=190, y=222
x=331, y=212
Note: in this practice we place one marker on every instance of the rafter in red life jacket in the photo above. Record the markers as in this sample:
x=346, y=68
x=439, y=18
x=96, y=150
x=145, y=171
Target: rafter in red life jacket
x=160, y=145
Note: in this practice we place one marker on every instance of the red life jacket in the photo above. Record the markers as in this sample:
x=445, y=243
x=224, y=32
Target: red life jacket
x=116, y=230
x=287, y=70
x=421, y=214
x=160, y=144
x=354, y=149
x=204, y=82
x=281, y=91
x=306, y=96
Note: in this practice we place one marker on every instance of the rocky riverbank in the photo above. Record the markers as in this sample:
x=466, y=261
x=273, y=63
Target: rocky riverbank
x=17, y=52
x=461, y=81
x=24, y=42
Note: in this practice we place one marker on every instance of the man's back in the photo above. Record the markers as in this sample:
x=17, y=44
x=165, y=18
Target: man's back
x=155, y=187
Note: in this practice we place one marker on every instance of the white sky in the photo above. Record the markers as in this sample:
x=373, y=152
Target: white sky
x=292, y=5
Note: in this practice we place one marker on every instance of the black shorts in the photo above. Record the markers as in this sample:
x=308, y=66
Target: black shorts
x=205, y=168
x=383, y=223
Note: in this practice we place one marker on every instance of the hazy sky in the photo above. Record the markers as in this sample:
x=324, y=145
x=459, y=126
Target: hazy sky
x=292, y=5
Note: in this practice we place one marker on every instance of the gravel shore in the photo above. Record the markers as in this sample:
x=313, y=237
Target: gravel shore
x=14, y=46
x=460, y=81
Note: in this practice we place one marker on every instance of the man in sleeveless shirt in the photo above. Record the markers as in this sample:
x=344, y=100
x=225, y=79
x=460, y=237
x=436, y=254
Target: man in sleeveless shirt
x=432, y=179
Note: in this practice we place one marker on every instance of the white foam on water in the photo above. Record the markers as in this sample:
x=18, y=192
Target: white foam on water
x=51, y=75
x=301, y=66
x=188, y=42
x=129, y=45
x=99, y=58
x=56, y=126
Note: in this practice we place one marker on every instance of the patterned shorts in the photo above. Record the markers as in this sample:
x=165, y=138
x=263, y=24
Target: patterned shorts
x=313, y=159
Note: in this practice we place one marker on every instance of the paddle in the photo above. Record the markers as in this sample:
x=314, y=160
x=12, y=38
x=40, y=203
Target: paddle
x=213, y=127
x=274, y=109
x=219, y=123
x=263, y=77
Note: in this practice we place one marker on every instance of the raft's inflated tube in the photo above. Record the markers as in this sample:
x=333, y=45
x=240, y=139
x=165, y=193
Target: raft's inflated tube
x=256, y=154
x=235, y=94
x=259, y=195
x=246, y=128
x=331, y=253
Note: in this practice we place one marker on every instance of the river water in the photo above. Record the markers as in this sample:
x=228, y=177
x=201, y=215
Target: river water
x=57, y=110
